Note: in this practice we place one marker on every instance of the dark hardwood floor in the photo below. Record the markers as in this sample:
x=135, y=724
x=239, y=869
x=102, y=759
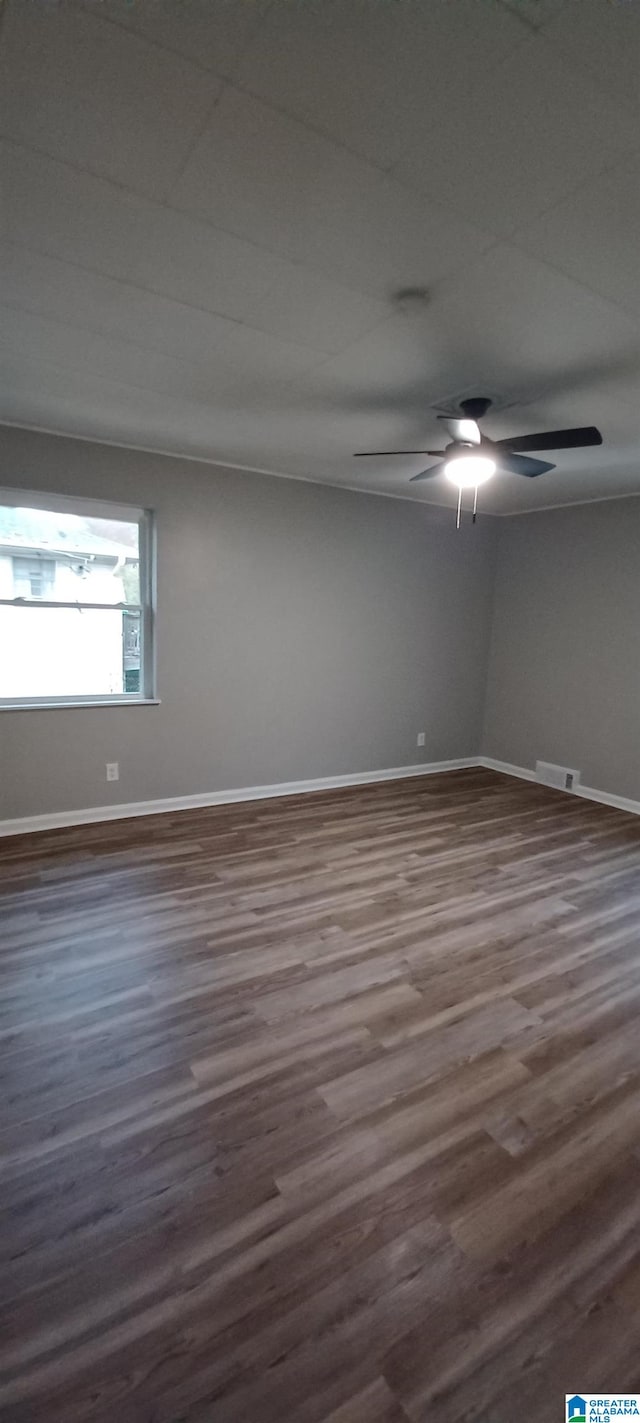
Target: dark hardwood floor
x=322, y=1110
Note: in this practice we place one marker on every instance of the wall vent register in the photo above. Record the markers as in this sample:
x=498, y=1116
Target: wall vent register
x=562, y=778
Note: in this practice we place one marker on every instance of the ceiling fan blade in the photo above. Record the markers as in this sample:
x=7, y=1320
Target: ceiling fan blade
x=427, y=473
x=554, y=440
x=519, y=464
x=461, y=428
x=362, y=454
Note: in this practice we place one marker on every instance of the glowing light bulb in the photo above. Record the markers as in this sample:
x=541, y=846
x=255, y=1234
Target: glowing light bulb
x=467, y=471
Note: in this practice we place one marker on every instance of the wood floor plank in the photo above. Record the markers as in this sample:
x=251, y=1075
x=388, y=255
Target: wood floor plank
x=322, y=1110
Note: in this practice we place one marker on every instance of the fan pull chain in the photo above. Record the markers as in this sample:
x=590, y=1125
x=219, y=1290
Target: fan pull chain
x=475, y=504
x=459, y=507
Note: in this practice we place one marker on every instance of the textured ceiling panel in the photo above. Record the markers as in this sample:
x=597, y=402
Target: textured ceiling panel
x=207, y=209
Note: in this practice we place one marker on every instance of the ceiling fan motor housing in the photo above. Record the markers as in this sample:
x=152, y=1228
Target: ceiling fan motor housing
x=475, y=406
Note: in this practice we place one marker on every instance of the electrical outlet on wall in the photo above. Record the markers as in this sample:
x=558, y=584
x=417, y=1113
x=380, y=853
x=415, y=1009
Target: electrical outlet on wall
x=113, y=770
x=421, y=736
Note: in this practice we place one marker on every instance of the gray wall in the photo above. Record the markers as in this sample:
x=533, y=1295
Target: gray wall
x=303, y=631
x=564, y=668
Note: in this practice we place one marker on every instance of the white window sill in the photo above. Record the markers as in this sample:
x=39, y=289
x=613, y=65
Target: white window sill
x=67, y=706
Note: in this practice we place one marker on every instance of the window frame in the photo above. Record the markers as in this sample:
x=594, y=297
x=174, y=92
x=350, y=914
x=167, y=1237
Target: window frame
x=145, y=609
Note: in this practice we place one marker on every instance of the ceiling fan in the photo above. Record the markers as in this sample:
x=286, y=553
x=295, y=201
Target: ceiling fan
x=472, y=458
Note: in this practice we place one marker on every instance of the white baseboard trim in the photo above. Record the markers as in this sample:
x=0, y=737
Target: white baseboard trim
x=506, y=769
x=58, y=820
x=617, y=802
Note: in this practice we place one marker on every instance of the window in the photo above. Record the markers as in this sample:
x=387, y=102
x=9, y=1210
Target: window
x=76, y=613
x=33, y=577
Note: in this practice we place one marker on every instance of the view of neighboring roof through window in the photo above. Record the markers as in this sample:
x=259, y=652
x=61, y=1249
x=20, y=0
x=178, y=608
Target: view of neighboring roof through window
x=75, y=609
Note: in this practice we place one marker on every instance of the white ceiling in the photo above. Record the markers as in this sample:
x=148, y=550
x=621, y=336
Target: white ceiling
x=207, y=207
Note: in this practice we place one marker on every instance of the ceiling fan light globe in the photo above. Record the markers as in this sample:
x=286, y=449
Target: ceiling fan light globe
x=467, y=471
